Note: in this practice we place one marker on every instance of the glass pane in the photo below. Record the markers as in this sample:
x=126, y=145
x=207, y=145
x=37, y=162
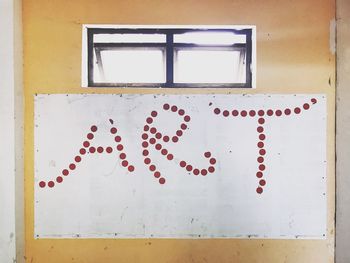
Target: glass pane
x=130, y=66
x=209, y=66
x=129, y=38
x=210, y=38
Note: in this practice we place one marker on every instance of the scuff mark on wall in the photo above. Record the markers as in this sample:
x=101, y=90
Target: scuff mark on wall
x=332, y=36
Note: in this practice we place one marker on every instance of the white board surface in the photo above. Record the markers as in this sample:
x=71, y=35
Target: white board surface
x=261, y=174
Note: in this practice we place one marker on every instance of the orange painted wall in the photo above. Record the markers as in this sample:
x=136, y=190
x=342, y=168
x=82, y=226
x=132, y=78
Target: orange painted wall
x=293, y=56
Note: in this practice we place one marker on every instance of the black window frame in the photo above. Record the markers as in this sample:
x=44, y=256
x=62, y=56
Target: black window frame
x=169, y=48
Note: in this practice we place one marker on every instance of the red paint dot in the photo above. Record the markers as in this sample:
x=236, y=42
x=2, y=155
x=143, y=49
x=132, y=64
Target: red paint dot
x=260, y=129
x=187, y=118
x=86, y=144
x=51, y=184
x=259, y=174
x=179, y=133
x=145, y=153
x=212, y=161
x=235, y=113
x=196, y=172
x=92, y=149
x=154, y=114
x=261, y=120
x=313, y=100
x=174, y=108
x=261, y=113
x=158, y=135
x=297, y=110
x=262, y=152
x=259, y=190
x=207, y=154
x=170, y=156
x=278, y=113
x=162, y=180
x=42, y=184
x=183, y=126
x=114, y=130
x=262, y=167
x=149, y=120
x=262, y=137
x=125, y=163
x=287, y=111
x=122, y=156
x=147, y=161
x=244, y=113
x=120, y=147
x=306, y=106
x=211, y=169
x=164, y=151
x=153, y=130
x=166, y=138
x=157, y=174
x=260, y=144
x=181, y=112
x=131, y=168
x=175, y=139
x=59, y=179
x=260, y=159
x=262, y=182
x=226, y=113
x=204, y=172
x=90, y=136
x=158, y=146
x=166, y=106
x=217, y=111
x=144, y=136
x=146, y=128
x=189, y=168
x=152, y=141
x=93, y=128
x=117, y=138
x=269, y=112
x=252, y=113
x=182, y=163
x=72, y=166
x=77, y=159
x=65, y=172
x=109, y=149
x=152, y=168
x=100, y=149
x=144, y=144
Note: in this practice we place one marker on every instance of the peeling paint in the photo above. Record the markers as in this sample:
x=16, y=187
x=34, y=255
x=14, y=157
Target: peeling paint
x=332, y=36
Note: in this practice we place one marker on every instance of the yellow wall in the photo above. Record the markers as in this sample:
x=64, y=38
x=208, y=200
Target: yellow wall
x=293, y=56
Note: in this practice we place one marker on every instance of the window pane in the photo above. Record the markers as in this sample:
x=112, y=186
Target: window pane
x=131, y=66
x=209, y=66
x=129, y=38
x=210, y=38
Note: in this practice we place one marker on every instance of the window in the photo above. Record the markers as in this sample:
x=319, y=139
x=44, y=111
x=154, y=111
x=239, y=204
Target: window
x=169, y=57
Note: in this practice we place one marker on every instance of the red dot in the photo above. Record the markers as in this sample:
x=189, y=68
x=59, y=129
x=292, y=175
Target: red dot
x=269, y=112
x=59, y=179
x=77, y=159
x=154, y=114
x=212, y=161
x=262, y=137
x=170, y=156
x=152, y=168
x=217, y=111
x=144, y=136
x=157, y=174
x=297, y=110
x=93, y=128
x=187, y=118
x=181, y=112
x=146, y=128
x=147, y=161
x=262, y=152
x=72, y=166
x=158, y=146
x=262, y=182
x=306, y=106
x=211, y=169
x=243, y=113
x=261, y=113
x=158, y=135
x=100, y=149
x=120, y=147
x=166, y=138
x=164, y=151
x=226, y=113
x=92, y=149
x=86, y=144
x=122, y=156
x=262, y=167
x=114, y=130
x=259, y=190
x=144, y=144
x=196, y=172
x=42, y=184
x=252, y=113
x=207, y=154
x=152, y=141
x=162, y=180
x=174, y=108
x=117, y=138
x=182, y=163
x=259, y=174
x=175, y=139
x=260, y=144
x=109, y=149
x=287, y=111
x=65, y=172
x=261, y=120
x=166, y=106
x=125, y=163
x=131, y=168
x=183, y=126
x=90, y=136
x=235, y=113
x=278, y=113
x=179, y=133
x=51, y=184
x=204, y=172
x=149, y=120
x=145, y=153
x=260, y=129
x=189, y=168
x=260, y=159
x=313, y=100
x=153, y=130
